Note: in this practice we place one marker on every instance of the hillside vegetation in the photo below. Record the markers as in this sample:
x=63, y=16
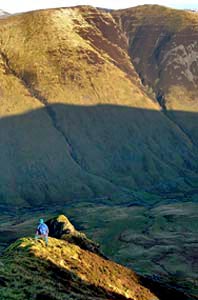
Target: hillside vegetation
x=98, y=119
x=62, y=270
x=76, y=121
x=65, y=270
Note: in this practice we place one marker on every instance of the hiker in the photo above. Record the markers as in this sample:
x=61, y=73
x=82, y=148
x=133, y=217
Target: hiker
x=42, y=231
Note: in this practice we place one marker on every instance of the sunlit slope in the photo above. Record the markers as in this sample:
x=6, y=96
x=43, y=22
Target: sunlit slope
x=72, y=267
x=65, y=271
x=163, y=45
x=75, y=119
x=61, y=56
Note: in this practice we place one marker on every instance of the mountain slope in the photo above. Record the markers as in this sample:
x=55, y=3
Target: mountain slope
x=75, y=119
x=63, y=270
x=163, y=46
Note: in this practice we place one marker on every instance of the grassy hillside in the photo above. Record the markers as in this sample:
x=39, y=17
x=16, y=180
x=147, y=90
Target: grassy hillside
x=75, y=119
x=154, y=236
x=64, y=271
x=98, y=118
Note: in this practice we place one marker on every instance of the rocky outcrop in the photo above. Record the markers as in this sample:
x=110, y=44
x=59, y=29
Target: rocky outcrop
x=61, y=228
x=63, y=270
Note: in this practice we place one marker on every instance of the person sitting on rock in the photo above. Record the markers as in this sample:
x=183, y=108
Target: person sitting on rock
x=42, y=231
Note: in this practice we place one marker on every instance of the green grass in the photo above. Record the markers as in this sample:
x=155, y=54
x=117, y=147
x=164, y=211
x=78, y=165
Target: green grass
x=62, y=271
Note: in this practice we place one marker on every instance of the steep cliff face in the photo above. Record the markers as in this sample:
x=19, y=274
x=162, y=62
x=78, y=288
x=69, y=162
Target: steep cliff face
x=76, y=120
x=163, y=46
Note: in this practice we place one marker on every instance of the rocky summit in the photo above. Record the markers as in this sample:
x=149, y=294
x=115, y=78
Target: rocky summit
x=97, y=103
x=61, y=228
x=63, y=270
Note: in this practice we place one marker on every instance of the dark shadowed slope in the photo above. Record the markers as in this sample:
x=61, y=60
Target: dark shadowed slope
x=90, y=151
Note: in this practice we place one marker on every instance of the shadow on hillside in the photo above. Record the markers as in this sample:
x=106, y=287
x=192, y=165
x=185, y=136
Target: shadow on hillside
x=165, y=290
x=61, y=152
